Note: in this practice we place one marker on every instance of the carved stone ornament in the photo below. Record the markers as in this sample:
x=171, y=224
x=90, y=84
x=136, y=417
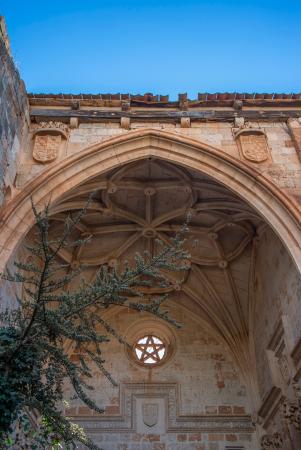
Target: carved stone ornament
x=52, y=125
x=46, y=147
x=253, y=145
x=292, y=413
x=271, y=442
x=150, y=412
x=47, y=140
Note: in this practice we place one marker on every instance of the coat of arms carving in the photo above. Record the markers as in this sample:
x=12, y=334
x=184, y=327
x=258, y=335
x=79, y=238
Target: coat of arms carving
x=253, y=145
x=46, y=147
x=47, y=140
x=150, y=412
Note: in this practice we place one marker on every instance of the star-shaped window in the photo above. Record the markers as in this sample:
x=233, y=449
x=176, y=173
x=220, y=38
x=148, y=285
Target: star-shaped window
x=150, y=349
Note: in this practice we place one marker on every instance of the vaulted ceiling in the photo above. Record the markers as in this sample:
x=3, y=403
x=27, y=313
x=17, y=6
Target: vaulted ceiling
x=140, y=202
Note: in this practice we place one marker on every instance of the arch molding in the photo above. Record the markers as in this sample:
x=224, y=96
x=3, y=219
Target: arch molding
x=277, y=209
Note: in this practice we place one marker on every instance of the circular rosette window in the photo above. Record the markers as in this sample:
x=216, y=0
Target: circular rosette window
x=150, y=343
x=150, y=350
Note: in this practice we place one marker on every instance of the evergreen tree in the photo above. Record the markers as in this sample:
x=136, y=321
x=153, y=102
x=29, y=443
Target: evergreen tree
x=33, y=361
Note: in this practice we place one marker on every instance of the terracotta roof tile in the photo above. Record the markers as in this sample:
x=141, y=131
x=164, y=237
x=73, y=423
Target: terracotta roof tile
x=149, y=99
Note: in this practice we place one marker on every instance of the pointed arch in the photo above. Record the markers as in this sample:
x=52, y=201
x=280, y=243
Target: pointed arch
x=278, y=210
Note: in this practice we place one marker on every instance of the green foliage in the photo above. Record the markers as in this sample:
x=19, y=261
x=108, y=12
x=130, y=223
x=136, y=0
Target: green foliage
x=33, y=361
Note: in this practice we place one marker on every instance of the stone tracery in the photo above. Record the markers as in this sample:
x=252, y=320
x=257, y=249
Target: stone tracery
x=150, y=350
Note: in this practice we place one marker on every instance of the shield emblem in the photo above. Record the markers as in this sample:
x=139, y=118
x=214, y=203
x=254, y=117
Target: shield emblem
x=150, y=414
x=46, y=147
x=253, y=146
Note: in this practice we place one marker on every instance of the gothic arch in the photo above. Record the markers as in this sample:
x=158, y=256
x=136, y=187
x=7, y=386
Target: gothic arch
x=274, y=206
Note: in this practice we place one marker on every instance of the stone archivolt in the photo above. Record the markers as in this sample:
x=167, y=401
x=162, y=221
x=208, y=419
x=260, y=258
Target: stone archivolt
x=278, y=210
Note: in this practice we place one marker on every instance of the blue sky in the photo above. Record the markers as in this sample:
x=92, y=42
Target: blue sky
x=163, y=47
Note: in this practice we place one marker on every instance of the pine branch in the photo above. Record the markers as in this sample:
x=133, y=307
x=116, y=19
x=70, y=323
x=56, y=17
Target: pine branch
x=33, y=363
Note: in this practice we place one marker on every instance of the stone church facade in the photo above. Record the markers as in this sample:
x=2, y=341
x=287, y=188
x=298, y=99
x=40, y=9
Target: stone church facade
x=229, y=378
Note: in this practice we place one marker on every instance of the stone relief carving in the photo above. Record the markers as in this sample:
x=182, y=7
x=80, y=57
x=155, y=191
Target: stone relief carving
x=271, y=442
x=292, y=409
x=46, y=147
x=47, y=140
x=150, y=412
x=292, y=412
x=253, y=145
x=52, y=125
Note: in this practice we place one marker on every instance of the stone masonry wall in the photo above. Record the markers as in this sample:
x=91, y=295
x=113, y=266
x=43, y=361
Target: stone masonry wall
x=282, y=167
x=14, y=117
x=207, y=382
x=277, y=325
x=277, y=291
